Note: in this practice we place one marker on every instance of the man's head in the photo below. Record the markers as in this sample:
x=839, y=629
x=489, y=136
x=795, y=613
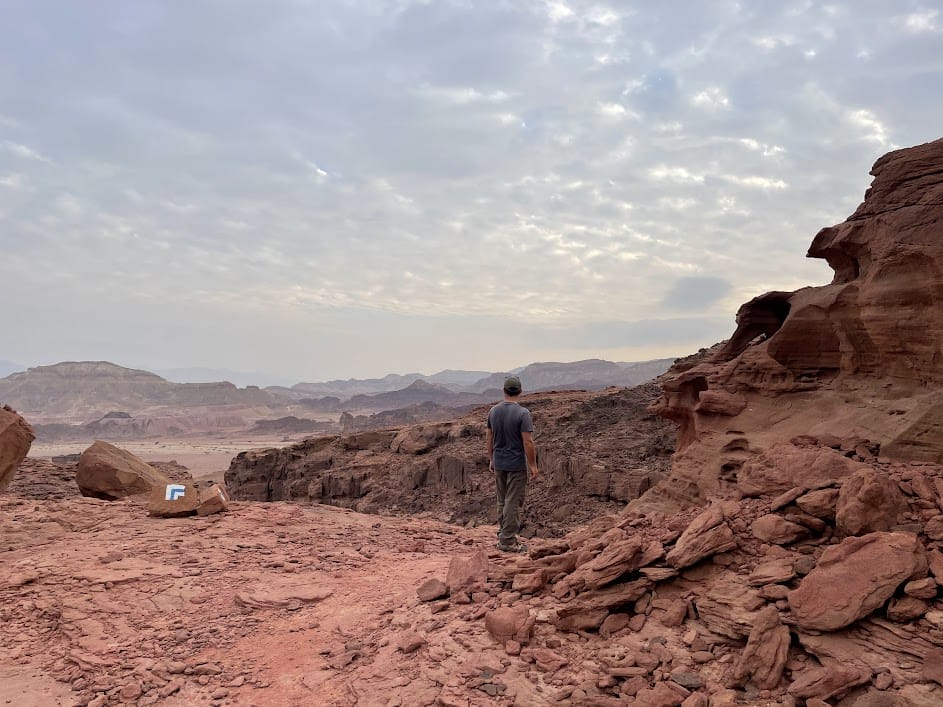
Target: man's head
x=512, y=386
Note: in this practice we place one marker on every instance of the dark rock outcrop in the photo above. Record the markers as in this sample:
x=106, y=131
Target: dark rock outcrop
x=596, y=451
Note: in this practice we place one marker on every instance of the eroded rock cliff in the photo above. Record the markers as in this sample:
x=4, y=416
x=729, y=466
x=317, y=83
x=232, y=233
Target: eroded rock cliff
x=856, y=363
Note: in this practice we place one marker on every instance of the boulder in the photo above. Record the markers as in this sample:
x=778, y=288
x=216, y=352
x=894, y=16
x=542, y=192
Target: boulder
x=213, y=499
x=773, y=528
x=902, y=609
x=185, y=498
x=935, y=558
x=785, y=465
x=933, y=666
x=830, y=680
x=820, y=504
x=432, y=589
x=467, y=573
x=929, y=695
x=921, y=588
x=775, y=571
x=868, y=502
x=661, y=695
x=507, y=623
x=16, y=436
x=110, y=473
x=613, y=624
x=547, y=660
x=708, y=534
x=529, y=582
x=854, y=578
x=620, y=556
x=419, y=439
x=728, y=606
x=767, y=648
x=173, y=500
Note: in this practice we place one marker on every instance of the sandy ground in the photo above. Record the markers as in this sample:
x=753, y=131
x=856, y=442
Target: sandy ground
x=269, y=604
x=204, y=457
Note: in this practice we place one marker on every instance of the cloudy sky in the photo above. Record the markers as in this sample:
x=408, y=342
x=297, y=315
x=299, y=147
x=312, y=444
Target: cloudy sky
x=332, y=188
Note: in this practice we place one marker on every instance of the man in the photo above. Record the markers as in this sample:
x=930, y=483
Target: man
x=512, y=455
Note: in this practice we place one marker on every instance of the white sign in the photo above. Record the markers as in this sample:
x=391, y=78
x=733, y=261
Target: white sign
x=175, y=491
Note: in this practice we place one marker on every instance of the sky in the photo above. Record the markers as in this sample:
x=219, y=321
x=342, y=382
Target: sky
x=316, y=189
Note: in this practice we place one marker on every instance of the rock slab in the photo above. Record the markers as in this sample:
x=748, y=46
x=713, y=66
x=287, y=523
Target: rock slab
x=855, y=577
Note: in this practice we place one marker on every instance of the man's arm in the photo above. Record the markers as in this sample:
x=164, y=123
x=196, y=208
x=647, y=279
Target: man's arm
x=530, y=451
x=490, y=445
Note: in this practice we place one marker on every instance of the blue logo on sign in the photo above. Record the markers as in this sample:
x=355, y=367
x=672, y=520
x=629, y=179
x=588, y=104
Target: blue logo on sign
x=175, y=491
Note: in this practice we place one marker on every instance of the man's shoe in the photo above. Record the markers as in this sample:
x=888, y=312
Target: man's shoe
x=514, y=547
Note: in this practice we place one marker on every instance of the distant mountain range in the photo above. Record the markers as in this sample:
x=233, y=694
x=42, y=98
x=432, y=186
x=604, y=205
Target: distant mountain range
x=88, y=390
x=416, y=393
x=590, y=374
x=214, y=375
x=453, y=380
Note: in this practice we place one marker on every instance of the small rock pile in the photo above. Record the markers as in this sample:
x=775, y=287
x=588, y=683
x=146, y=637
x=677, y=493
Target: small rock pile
x=806, y=584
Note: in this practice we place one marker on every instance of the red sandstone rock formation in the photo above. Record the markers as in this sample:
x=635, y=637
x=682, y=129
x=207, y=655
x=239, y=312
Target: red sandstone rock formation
x=15, y=440
x=859, y=361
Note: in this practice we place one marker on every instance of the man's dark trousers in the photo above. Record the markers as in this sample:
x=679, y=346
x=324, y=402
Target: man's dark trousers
x=511, y=486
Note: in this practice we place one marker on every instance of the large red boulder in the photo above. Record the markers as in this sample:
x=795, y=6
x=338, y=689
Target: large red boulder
x=16, y=436
x=854, y=578
x=868, y=502
x=107, y=472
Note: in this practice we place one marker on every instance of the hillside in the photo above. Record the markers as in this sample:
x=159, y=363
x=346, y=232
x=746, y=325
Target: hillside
x=591, y=374
x=82, y=391
x=421, y=392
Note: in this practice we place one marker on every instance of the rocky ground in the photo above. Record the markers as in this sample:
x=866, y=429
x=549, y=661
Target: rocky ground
x=769, y=597
x=268, y=604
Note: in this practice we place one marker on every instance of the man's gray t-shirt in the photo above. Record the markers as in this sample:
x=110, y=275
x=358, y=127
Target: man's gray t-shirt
x=507, y=421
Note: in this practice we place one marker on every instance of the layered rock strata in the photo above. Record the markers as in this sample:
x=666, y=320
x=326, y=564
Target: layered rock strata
x=860, y=359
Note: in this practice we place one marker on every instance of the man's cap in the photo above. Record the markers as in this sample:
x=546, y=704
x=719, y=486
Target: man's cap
x=512, y=385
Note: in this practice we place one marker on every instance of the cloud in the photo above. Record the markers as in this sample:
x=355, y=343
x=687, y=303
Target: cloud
x=756, y=181
x=470, y=169
x=695, y=293
x=711, y=98
x=874, y=130
x=675, y=174
x=462, y=96
x=921, y=22
x=22, y=151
